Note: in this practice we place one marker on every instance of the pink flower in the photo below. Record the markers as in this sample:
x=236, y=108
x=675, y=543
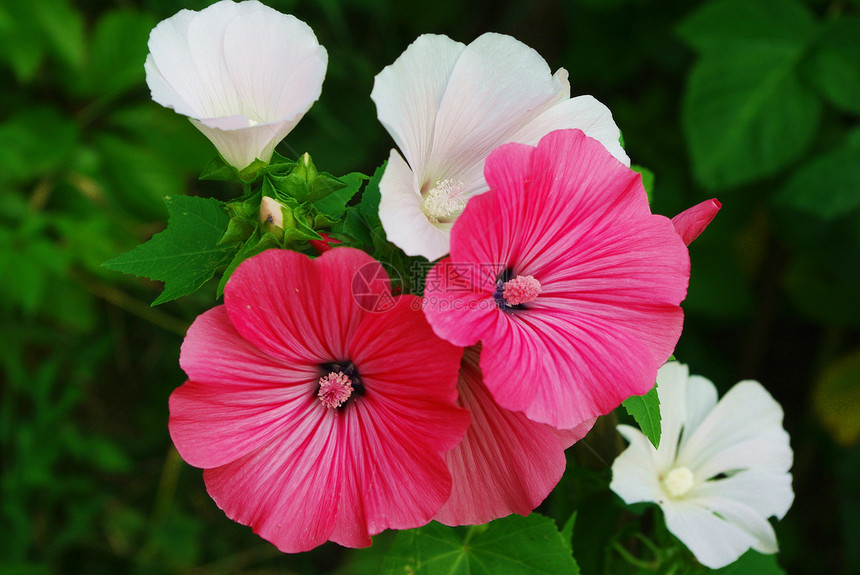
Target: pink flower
x=594, y=279
x=693, y=221
x=506, y=463
x=314, y=418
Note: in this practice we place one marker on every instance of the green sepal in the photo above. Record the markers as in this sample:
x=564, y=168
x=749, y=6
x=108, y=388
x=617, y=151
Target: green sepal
x=219, y=170
x=333, y=205
x=305, y=183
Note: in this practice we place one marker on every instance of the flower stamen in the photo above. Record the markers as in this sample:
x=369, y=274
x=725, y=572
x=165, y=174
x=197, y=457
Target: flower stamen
x=520, y=290
x=443, y=201
x=335, y=389
x=678, y=482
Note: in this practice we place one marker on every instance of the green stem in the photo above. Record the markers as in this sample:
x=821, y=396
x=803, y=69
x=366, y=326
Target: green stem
x=636, y=562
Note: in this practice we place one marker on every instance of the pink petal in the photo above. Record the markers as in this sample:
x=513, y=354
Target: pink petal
x=506, y=463
x=346, y=474
x=457, y=310
x=693, y=221
x=297, y=309
x=612, y=276
x=237, y=397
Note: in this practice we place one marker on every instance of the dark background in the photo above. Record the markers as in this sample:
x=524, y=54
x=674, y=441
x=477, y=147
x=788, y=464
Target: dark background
x=753, y=102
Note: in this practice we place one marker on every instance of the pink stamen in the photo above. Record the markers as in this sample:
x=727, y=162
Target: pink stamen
x=335, y=389
x=521, y=289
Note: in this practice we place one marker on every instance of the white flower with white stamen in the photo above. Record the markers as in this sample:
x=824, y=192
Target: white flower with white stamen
x=447, y=106
x=721, y=469
x=244, y=74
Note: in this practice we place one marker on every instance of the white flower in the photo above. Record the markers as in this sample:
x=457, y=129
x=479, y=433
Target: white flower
x=721, y=469
x=243, y=73
x=447, y=106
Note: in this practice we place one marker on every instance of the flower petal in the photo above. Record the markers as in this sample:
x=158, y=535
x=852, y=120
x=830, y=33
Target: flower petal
x=634, y=471
x=324, y=312
x=407, y=94
x=497, y=84
x=768, y=492
x=714, y=541
x=612, y=275
x=693, y=221
x=276, y=64
x=743, y=431
x=237, y=397
x=404, y=223
x=584, y=113
x=505, y=463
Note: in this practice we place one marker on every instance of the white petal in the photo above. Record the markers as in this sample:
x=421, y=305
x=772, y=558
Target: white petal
x=743, y=431
x=768, y=492
x=583, y=113
x=206, y=31
x=715, y=542
x=244, y=73
x=700, y=400
x=404, y=223
x=496, y=86
x=635, y=476
x=275, y=63
x=671, y=390
x=170, y=70
x=240, y=147
x=407, y=94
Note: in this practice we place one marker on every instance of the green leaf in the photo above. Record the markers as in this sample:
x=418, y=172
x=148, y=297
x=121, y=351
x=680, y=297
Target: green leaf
x=833, y=66
x=828, y=186
x=34, y=143
x=746, y=114
x=369, y=206
x=117, y=51
x=514, y=545
x=752, y=563
x=757, y=24
x=567, y=530
x=334, y=204
x=647, y=180
x=186, y=254
x=645, y=409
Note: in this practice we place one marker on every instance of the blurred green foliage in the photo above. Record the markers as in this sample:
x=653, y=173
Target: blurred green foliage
x=753, y=101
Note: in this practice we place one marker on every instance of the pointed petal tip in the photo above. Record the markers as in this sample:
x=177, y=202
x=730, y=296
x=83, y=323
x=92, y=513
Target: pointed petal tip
x=692, y=222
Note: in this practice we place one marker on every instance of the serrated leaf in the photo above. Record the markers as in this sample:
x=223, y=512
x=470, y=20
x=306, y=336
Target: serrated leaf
x=645, y=409
x=514, y=545
x=186, y=254
x=829, y=185
x=746, y=114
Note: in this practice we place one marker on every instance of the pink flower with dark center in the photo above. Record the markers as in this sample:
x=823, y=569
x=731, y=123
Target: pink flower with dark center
x=567, y=279
x=313, y=418
x=506, y=463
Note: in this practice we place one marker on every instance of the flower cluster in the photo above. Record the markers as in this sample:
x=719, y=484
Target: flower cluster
x=323, y=406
